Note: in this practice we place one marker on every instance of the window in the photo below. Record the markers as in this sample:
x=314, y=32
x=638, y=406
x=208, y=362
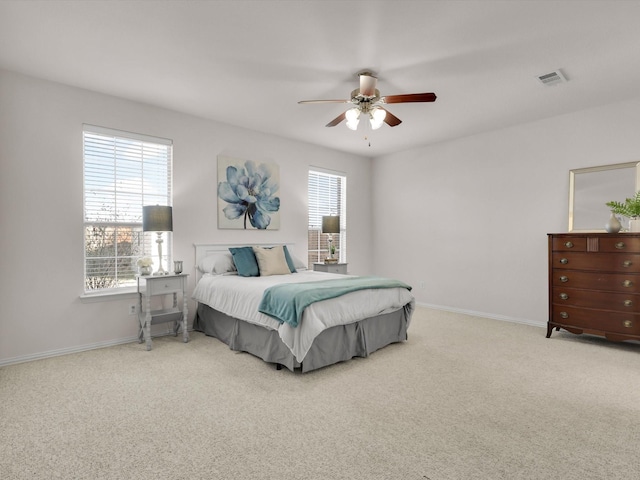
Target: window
x=327, y=196
x=122, y=172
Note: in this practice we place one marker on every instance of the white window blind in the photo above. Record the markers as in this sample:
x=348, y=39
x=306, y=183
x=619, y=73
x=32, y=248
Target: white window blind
x=327, y=196
x=122, y=172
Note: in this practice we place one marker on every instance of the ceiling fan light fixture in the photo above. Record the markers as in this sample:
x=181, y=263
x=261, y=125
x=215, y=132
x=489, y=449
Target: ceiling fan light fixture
x=367, y=99
x=377, y=118
x=353, y=117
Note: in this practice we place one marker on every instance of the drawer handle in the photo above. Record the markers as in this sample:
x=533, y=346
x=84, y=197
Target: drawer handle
x=564, y=261
x=627, y=263
x=620, y=245
x=627, y=283
x=628, y=303
x=564, y=279
x=564, y=296
x=568, y=244
x=627, y=323
x=564, y=315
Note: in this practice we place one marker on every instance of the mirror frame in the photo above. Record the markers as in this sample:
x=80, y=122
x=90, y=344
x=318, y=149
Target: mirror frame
x=581, y=171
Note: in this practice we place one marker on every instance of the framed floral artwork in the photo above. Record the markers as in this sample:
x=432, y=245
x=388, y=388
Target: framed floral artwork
x=247, y=194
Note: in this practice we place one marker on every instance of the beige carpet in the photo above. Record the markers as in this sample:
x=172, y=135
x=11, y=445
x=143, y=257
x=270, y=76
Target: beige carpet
x=464, y=398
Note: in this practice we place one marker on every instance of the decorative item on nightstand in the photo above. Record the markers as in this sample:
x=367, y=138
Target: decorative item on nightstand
x=331, y=225
x=158, y=218
x=630, y=209
x=145, y=265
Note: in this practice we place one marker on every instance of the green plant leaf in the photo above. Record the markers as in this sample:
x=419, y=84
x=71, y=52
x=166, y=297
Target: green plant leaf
x=630, y=208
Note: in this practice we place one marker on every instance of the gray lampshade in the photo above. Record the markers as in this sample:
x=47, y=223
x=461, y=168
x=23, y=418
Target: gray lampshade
x=331, y=224
x=157, y=218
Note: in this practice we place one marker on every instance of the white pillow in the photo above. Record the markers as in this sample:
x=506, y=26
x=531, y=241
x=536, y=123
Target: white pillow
x=297, y=263
x=271, y=261
x=217, y=263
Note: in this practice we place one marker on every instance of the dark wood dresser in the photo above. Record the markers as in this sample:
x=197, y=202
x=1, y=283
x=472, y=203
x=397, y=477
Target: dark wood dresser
x=594, y=284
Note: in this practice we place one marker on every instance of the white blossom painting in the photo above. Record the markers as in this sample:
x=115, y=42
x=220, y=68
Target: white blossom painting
x=247, y=194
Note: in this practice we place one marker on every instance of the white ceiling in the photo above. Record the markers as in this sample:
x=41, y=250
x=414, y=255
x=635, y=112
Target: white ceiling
x=248, y=63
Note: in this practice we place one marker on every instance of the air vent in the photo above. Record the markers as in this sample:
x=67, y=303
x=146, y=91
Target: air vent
x=552, y=78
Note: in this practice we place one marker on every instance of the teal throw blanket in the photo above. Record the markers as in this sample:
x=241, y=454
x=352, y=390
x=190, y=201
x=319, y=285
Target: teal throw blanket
x=287, y=301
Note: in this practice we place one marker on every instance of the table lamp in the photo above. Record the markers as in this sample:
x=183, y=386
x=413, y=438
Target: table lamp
x=331, y=225
x=157, y=218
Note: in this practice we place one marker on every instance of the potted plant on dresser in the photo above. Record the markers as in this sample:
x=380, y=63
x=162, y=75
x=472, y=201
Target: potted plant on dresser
x=630, y=209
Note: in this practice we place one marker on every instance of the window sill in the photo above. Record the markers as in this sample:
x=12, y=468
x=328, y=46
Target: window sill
x=109, y=295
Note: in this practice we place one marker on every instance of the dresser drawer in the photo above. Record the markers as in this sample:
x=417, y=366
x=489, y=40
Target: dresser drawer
x=610, y=282
x=165, y=285
x=621, y=302
x=599, y=320
x=623, y=262
x=619, y=244
x=569, y=244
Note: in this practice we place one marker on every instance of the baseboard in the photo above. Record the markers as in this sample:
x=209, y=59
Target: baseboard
x=111, y=343
x=492, y=316
x=76, y=349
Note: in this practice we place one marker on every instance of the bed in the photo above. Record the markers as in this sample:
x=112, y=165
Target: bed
x=331, y=330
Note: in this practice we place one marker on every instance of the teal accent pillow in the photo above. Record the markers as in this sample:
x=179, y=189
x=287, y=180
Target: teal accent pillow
x=245, y=261
x=287, y=257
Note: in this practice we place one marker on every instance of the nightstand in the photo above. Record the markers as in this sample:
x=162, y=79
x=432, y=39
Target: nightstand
x=151, y=286
x=331, y=267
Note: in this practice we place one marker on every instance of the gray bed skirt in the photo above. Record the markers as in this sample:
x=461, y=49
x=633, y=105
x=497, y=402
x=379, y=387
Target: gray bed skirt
x=336, y=344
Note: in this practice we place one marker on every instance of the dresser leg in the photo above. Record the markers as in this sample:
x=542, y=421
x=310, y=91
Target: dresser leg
x=549, y=330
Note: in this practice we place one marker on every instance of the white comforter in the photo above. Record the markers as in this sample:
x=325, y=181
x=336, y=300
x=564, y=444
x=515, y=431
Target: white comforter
x=239, y=297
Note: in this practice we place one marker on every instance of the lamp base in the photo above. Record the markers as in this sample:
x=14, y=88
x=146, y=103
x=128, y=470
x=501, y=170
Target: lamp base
x=160, y=271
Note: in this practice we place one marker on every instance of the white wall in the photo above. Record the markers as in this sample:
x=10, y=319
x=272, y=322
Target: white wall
x=467, y=219
x=465, y=222
x=41, y=240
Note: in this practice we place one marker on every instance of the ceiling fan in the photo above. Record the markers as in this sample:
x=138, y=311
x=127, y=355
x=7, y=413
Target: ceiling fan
x=367, y=100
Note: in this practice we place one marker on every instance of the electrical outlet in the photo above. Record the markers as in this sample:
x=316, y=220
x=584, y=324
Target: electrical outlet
x=133, y=309
x=421, y=284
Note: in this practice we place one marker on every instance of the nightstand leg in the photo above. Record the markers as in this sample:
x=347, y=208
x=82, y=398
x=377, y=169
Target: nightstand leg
x=178, y=322
x=147, y=323
x=140, y=320
x=185, y=332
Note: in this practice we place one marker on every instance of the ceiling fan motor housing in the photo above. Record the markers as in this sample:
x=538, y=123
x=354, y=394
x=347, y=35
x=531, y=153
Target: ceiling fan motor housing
x=364, y=102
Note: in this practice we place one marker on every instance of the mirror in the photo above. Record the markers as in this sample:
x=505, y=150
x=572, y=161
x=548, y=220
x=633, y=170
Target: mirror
x=591, y=188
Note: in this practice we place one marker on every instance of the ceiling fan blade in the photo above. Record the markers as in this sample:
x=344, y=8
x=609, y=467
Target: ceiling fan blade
x=409, y=97
x=324, y=101
x=368, y=85
x=337, y=120
x=390, y=119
